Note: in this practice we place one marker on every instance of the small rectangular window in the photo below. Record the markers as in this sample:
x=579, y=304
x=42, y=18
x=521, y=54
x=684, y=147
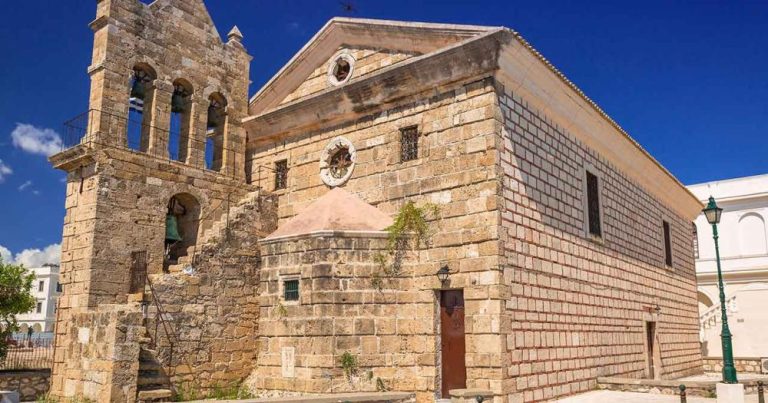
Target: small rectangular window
x=41, y=286
x=409, y=143
x=667, y=245
x=58, y=287
x=593, y=205
x=291, y=290
x=281, y=174
x=39, y=308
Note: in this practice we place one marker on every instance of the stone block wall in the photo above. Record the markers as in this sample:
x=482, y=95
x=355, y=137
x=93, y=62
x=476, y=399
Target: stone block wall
x=575, y=307
x=389, y=328
x=744, y=365
x=102, y=359
x=31, y=384
x=213, y=311
x=455, y=169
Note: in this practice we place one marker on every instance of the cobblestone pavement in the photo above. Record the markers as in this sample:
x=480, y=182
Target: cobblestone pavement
x=606, y=396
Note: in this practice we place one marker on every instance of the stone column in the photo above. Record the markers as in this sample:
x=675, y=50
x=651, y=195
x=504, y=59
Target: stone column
x=160, y=118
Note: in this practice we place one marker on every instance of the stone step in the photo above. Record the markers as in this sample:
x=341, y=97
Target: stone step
x=147, y=366
x=152, y=380
x=146, y=354
x=154, y=395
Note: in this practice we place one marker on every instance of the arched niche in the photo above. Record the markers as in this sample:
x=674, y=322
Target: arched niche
x=752, y=237
x=183, y=213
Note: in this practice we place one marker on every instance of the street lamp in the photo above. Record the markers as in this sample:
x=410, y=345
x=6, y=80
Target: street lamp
x=713, y=213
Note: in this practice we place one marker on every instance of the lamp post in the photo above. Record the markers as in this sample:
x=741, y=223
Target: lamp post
x=713, y=213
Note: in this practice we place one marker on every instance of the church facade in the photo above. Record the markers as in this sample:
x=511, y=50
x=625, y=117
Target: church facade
x=557, y=250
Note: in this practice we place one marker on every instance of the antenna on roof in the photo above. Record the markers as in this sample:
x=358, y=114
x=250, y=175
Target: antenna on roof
x=348, y=7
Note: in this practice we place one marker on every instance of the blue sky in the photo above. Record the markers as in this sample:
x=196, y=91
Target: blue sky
x=688, y=80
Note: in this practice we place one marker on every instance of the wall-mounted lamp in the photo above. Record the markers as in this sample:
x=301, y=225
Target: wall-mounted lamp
x=657, y=309
x=443, y=274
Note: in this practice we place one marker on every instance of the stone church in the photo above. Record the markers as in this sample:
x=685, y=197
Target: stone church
x=214, y=239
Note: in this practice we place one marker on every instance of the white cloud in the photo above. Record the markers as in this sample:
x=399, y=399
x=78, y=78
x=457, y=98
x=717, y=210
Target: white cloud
x=51, y=254
x=36, y=140
x=6, y=254
x=5, y=170
x=25, y=185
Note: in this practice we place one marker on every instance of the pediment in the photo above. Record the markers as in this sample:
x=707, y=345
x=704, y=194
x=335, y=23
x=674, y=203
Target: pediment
x=378, y=44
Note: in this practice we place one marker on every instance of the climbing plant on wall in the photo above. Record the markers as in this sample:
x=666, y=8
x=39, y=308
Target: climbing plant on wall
x=411, y=228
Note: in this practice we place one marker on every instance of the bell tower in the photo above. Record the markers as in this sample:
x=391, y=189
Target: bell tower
x=162, y=141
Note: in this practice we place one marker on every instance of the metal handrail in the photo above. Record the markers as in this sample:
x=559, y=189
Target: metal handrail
x=82, y=129
x=160, y=317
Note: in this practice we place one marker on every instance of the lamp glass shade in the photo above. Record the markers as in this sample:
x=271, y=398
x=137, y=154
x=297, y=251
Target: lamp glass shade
x=443, y=274
x=712, y=212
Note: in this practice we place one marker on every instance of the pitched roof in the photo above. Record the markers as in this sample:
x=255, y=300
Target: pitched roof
x=337, y=210
x=397, y=35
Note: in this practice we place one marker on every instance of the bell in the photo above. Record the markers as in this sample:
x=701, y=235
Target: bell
x=137, y=89
x=213, y=117
x=178, y=103
x=172, y=228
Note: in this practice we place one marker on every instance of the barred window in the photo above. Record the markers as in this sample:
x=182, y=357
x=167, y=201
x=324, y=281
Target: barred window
x=281, y=174
x=409, y=143
x=291, y=290
x=667, y=245
x=593, y=205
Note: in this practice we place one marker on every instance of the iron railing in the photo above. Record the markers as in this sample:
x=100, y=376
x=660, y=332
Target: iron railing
x=133, y=133
x=28, y=352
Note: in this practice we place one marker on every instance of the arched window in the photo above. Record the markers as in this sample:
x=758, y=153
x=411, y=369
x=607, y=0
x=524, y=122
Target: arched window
x=695, y=241
x=752, y=234
x=140, y=107
x=180, y=133
x=214, y=147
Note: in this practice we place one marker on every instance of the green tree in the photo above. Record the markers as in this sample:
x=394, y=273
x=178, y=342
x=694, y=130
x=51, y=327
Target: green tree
x=15, y=298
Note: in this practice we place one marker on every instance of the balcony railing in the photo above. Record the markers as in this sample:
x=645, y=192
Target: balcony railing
x=132, y=133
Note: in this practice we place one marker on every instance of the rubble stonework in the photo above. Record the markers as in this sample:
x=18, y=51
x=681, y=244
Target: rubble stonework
x=504, y=141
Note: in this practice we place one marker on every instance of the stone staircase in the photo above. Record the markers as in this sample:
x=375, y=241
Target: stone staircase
x=218, y=230
x=711, y=317
x=152, y=384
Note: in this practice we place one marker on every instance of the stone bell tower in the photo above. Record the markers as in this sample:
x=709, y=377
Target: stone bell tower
x=163, y=130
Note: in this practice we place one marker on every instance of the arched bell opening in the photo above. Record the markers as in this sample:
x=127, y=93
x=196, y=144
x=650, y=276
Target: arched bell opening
x=215, y=126
x=179, y=136
x=182, y=222
x=140, y=107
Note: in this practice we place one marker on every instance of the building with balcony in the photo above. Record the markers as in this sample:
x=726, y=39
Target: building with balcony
x=46, y=289
x=744, y=259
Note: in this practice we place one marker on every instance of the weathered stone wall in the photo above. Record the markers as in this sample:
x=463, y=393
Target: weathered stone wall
x=455, y=170
x=117, y=198
x=367, y=61
x=213, y=311
x=30, y=384
x=575, y=308
x=122, y=210
x=102, y=356
x=744, y=365
x=388, y=328
x=177, y=40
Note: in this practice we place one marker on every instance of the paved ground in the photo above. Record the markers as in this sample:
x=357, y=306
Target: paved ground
x=607, y=396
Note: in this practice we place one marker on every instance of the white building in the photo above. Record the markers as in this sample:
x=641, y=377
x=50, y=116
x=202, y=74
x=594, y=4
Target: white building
x=744, y=258
x=46, y=290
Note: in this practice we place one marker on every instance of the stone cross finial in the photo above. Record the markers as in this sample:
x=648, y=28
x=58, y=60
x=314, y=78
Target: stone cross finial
x=235, y=34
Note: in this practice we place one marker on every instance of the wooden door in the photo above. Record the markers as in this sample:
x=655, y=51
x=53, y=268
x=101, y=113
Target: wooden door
x=454, y=369
x=650, y=333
